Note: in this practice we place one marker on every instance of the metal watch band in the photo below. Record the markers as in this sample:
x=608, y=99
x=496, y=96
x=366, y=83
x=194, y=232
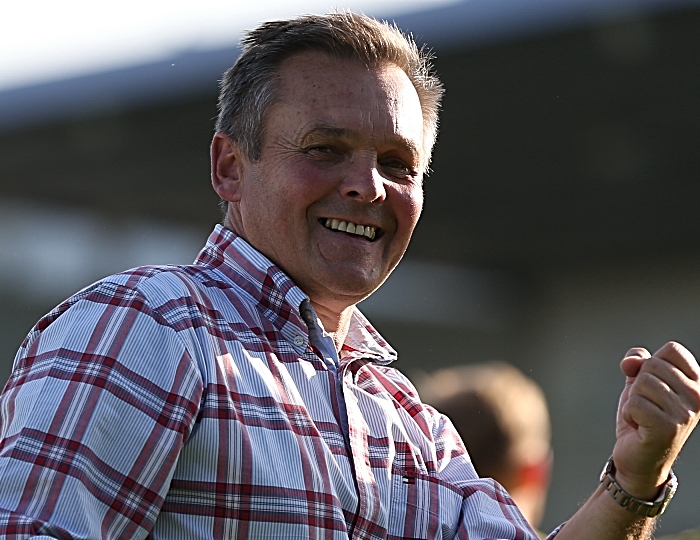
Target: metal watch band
x=632, y=504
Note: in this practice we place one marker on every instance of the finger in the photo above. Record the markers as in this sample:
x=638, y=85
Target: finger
x=657, y=440
x=633, y=360
x=664, y=417
x=642, y=412
x=687, y=389
x=640, y=352
x=677, y=355
x=650, y=388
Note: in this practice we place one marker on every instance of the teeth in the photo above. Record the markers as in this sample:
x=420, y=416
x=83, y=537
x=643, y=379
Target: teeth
x=352, y=228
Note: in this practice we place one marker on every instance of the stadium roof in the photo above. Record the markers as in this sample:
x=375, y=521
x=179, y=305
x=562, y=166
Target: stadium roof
x=191, y=70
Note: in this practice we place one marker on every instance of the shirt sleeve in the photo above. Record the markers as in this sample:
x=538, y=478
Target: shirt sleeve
x=102, y=397
x=487, y=509
x=553, y=534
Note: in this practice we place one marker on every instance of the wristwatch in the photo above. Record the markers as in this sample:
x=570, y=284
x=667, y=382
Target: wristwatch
x=634, y=505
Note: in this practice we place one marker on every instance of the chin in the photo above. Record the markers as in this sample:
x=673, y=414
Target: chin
x=345, y=284
x=359, y=290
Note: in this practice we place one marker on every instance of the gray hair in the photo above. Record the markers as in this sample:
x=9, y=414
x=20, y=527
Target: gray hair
x=248, y=88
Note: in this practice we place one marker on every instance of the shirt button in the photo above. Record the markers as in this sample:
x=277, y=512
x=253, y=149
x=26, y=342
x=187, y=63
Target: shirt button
x=298, y=340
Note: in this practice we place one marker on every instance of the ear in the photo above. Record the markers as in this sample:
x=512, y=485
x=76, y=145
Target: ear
x=227, y=163
x=536, y=474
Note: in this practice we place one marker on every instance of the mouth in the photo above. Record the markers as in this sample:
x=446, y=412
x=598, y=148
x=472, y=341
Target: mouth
x=366, y=231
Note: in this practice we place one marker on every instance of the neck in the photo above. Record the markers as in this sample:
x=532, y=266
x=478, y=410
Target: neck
x=335, y=323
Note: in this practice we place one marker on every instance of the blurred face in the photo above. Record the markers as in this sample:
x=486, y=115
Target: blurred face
x=335, y=197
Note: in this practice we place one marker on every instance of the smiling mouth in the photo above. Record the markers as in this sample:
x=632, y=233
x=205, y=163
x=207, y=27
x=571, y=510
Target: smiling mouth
x=351, y=228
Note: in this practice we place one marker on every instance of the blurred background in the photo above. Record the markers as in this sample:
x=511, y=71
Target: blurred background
x=561, y=224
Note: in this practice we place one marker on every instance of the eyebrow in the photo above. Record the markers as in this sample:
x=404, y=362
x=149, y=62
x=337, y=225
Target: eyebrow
x=343, y=133
x=325, y=130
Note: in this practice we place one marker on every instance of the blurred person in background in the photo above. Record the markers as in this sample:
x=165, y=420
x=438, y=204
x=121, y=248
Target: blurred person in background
x=503, y=419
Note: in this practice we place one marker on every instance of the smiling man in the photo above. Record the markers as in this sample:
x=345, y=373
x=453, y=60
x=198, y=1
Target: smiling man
x=245, y=396
x=336, y=192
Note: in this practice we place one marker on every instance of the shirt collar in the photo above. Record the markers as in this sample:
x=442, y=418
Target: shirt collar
x=363, y=341
x=280, y=299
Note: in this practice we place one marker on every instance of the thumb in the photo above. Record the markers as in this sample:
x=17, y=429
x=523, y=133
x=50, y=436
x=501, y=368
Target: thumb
x=633, y=361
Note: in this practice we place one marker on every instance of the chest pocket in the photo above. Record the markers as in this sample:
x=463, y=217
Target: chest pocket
x=423, y=507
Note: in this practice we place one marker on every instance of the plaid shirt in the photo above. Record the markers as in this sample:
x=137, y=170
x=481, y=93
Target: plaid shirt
x=188, y=402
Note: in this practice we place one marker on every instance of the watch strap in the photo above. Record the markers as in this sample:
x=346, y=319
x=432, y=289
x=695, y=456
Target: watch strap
x=633, y=504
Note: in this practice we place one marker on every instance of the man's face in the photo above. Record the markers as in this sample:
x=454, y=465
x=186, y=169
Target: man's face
x=342, y=145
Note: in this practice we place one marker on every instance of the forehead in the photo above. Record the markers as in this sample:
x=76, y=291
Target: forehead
x=378, y=101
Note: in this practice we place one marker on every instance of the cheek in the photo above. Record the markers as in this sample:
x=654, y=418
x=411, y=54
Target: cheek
x=412, y=205
x=418, y=206
x=300, y=183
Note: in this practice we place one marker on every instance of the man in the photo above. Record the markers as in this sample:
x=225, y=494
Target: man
x=245, y=396
x=503, y=420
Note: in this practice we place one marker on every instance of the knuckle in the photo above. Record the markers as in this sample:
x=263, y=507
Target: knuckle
x=686, y=417
x=694, y=397
x=694, y=370
x=635, y=402
x=670, y=349
x=676, y=347
x=645, y=379
x=679, y=351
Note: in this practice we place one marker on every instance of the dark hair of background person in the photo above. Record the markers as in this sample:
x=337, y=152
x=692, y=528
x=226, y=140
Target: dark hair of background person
x=503, y=419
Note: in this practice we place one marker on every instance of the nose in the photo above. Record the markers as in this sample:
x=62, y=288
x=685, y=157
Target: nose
x=364, y=183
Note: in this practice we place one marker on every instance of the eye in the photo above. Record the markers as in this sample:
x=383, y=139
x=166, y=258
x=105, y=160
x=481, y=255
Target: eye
x=397, y=167
x=322, y=150
x=325, y=153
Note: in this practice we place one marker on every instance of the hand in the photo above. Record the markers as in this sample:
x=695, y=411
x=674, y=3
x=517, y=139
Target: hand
x=658, y=410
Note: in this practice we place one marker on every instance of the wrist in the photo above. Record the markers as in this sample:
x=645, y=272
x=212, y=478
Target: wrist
x=654, y=506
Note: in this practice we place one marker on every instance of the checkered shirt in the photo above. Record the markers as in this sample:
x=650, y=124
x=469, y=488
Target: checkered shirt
x=187, y=402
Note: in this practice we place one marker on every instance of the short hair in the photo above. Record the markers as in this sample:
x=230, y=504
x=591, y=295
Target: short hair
x=248, y=89
x=500, y=414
